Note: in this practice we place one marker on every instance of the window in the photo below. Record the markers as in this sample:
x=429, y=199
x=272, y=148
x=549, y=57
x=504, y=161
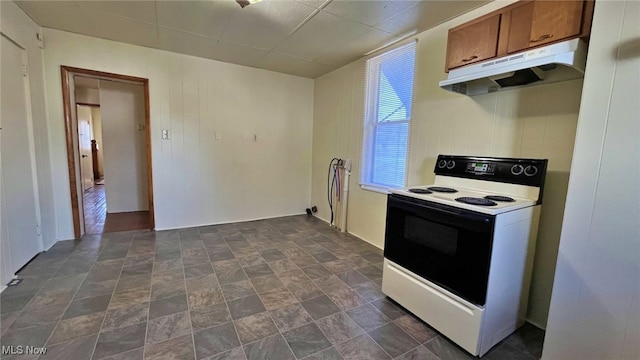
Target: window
x=389, y=87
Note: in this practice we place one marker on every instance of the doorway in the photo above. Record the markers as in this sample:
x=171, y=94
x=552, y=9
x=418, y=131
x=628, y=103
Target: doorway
x=109, y=151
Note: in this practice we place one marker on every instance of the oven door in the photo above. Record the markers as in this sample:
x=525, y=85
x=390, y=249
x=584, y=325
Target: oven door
x=448, y=246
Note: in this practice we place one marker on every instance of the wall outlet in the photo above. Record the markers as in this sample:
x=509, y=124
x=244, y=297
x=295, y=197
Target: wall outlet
x=165, y=134
x=255, y=138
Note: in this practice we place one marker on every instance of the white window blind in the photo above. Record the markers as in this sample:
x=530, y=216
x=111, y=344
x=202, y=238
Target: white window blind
x=389, y=97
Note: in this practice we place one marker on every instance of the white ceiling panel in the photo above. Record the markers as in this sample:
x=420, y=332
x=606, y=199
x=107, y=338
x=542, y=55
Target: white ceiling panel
x=301, y=37
x=63, y=15
x=238, y=54
x=138, y=10
x=266, y=24
x=359, y=46
x=208, y=18
x=370, y=12
x=186, y=43
x=321, y=34
x=294, y=66
x=121, y=29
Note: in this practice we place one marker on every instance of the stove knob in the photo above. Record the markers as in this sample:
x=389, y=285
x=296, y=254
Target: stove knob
x=451, y=164
x=442, y=163
x=517, y=169
x=530, y=170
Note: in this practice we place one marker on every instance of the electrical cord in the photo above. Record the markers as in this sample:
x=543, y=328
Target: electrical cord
x=330, y=186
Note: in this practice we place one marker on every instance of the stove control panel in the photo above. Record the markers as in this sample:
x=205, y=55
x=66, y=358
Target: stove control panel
x=507, y=170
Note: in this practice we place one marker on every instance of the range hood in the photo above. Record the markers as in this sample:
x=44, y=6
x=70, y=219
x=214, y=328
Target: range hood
x=557, y=62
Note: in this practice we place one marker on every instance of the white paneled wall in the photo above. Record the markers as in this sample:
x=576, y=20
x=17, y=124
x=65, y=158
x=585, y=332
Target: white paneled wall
x=536, y=122
x=198, y=179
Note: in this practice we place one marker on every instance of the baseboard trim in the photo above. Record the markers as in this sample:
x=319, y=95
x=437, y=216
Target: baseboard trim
x=226, y=222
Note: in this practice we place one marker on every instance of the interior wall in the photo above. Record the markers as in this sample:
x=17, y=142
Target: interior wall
x=125, y=153
x=595, y=308
x=96, y=117
x=86, y=95
x=17, y=26
x=533, y=122
x=199, y=178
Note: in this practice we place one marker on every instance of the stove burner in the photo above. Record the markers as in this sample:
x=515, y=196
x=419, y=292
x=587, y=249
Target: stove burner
x=499, y=198
x=443, y=189
x=476, y=201
x=420, y=191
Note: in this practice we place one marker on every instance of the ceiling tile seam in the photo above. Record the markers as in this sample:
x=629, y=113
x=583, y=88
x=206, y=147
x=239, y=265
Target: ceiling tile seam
x=187, y=32
x=411, y=8
x=155, y=11
x=98, y=12
x=299, y=26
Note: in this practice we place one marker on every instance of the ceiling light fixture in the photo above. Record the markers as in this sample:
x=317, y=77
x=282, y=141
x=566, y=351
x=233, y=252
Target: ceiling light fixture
x=244, y=3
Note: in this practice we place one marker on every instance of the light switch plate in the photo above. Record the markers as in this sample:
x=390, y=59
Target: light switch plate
x=165, y=134
x=218, y=135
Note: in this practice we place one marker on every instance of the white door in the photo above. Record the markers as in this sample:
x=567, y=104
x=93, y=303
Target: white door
x=19, y=219
x=84, y=142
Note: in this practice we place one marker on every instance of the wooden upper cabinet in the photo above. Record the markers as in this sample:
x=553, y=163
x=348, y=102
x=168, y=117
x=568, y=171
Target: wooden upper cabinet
x=473, y=42
x=536, y=23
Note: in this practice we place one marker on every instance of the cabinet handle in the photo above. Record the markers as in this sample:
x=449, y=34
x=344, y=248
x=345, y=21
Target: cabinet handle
x=470, y=58
x=543, y=37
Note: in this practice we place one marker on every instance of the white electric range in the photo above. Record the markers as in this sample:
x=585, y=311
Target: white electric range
x=459, y=252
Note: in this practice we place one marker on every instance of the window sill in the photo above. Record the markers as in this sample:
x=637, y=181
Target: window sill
x=373, y=188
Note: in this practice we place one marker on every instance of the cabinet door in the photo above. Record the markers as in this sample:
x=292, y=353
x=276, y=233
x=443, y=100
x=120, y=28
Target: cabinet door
x=540, y=22
x=473, y=43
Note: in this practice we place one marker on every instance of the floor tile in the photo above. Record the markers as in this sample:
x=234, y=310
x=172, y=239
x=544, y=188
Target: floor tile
x=258, y=270
x=14, y=304
x=76, y=327
x=281, y=266
x=320, y=307
x=198, y=270
x=419, y=353
x=178, y=348
x=316, y=271
x=324, y=257
x=164, y=289
x=34, y=316
x=306, y=340
x=305, y=290
x=87, y=306
x=415, y=328
x=205, y=296
x=48, y=298
x=293, y=277
x=135, y=354
x=276, y=298
x=327, y=354
x=77, y=349
x=339, y=327
x=160, y=266
x=330, y=283
x=132, y=282
x=245, y=307
x=93, y=289
x=361, y=348
x=392, y=339
x=120, y=340
x=139, y=269
x=232, y=275
x=167, y=306
x=215, y=340
x=269, y=348
x=209, y=316
x=346, y=299
x=389, y=308
x=369, y=291
x=352, y=278
x=168, y=276
x=290, y=316
x=371, y=272
x=266, y=283
x=447, y=350
x=139, y=260
x=223, y=255
x=234, y=354
x=255, y=327
x=130, y=297
x=168, y=327
x=6, y=320
x=33, y=336
x=237, y=290
x=273, y=255
x=125, y=316
x=367, y=317
x=250, y=260
x=338, y=266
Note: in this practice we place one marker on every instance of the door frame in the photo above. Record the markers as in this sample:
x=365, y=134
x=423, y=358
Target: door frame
x=67, y=73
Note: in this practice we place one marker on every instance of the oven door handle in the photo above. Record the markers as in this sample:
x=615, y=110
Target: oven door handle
x=461, y=213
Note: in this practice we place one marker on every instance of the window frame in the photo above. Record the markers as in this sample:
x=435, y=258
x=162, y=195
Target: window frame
x=371, y=124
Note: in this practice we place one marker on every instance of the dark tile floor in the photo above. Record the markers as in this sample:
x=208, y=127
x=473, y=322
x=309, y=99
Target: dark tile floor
x=287, y=288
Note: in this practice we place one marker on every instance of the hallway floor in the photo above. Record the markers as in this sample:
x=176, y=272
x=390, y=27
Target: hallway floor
x=286, y=288
x=98, y=221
